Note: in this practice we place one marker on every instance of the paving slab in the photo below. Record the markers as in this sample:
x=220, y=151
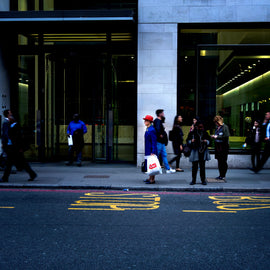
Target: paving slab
x=126, y=176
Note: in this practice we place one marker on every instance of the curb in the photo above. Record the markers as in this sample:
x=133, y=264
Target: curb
x=136, y=188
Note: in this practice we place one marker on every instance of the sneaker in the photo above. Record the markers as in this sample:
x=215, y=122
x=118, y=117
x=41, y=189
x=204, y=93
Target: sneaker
x=171, y=171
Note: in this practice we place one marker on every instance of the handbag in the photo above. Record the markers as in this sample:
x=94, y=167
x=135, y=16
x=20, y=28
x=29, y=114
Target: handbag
x=186, y=150
x=153, y=165
x=143, y=167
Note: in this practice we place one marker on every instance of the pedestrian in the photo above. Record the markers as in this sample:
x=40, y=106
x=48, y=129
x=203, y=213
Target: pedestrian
x=76, y=129
x=150, y=143
x=4, y=137
x=254, y=139
x=221, y=138
x=266, y=152
x=162, y=139
x=15, y=148
x=177, y=141
x=194, y=123
x=198, y=140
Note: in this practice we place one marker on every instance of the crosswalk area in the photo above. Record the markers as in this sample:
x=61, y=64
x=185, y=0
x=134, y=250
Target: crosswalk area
x=95, y=201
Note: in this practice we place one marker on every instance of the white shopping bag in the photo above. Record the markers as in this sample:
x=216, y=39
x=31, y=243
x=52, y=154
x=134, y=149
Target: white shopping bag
x=153, y=166
x=70, y=140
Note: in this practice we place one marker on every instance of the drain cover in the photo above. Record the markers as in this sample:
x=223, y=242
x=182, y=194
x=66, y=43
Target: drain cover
x=96, y=176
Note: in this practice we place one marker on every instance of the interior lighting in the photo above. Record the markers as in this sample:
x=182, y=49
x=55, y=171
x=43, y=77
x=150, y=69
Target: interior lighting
x=237, y=89
x=203, y=53
x=249, y=67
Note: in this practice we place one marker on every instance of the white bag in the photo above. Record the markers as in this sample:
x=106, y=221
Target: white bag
x=153, y=166
x=70, y=140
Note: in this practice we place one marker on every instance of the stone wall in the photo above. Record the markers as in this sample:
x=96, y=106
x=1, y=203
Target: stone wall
x=157, y=47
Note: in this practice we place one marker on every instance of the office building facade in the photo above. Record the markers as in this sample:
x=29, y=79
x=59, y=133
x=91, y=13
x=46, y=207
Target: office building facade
x=116, y=61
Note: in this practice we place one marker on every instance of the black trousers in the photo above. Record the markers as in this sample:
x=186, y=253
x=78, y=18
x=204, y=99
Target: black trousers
x=256, y=154
x=222, y=165
x=15, y=157
x=195, y=166
x=176, y=160
x=265, y=155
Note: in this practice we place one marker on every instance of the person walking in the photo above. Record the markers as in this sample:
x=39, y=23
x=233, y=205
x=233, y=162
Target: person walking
x=266, y=152
x=254, y=139
x=150, y=143
x=4, y=137
x=177, y=141
x=76, y=129
x=198, y=140
x=15, y=148
x=221, y=138
x=162, y=139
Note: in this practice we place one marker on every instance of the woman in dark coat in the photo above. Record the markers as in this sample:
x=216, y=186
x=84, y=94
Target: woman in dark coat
x=150, y=142
x=177, y=141
x=254, y=139
x=221, y=137
x=198, y=140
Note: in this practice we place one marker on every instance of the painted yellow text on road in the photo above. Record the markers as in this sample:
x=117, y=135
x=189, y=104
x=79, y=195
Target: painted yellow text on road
x=232, y=204
x=116, y=202
x=240, y=203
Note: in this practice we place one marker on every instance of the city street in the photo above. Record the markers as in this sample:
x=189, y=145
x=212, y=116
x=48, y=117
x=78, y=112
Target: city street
x=86, y=229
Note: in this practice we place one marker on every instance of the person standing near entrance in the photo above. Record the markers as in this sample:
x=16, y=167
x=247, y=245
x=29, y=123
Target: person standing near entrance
x=162, y=139
x=199, y=140
x=266, y=152
x=15, y=148
x=221, y=138
x=76, y=129
x=177, y=141
x=150, y=143
x=254, y=139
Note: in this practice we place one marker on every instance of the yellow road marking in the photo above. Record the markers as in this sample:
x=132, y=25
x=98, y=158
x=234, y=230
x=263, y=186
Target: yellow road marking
x=206, y=211
x=116, y=202
x=232, y=204
x=7, y=207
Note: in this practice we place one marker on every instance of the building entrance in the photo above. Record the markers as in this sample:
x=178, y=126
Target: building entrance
x=100, y=87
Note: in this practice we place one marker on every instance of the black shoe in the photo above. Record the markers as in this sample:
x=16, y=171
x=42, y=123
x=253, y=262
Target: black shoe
x=217, y=178
x=68, y=163
x=204, y=183
x=192, y=183
x=79, y=164
x=32, y=177
x=255, y=170
x=3, y=180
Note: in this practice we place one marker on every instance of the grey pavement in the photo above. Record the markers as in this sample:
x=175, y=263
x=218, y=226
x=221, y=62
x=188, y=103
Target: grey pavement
x=126, y=176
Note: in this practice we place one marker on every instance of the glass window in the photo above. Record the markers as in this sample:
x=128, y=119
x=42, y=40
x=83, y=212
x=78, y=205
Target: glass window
x=225, y=72
x=50, y=5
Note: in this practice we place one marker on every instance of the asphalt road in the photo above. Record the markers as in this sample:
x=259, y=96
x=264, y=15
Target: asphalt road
x=70, y=229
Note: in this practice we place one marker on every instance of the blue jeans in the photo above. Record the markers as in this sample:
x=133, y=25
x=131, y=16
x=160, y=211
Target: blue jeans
x=163, y=153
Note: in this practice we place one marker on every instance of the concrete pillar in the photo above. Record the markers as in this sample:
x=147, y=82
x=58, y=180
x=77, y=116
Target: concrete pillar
x=157, y=76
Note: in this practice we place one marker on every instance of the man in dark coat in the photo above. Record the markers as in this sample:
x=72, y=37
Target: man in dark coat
x=14, y=150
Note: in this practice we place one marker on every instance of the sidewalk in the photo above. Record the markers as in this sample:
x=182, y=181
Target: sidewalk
x=122, y=176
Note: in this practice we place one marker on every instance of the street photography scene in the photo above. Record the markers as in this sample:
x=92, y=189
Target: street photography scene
x=135, y=134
